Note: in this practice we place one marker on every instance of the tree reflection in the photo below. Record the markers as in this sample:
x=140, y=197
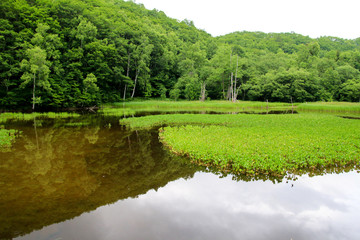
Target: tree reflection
x=57, y=173
x=278, y=178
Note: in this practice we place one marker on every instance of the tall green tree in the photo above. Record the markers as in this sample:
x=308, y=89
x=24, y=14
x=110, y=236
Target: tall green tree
x=90, y=95
x=36, y=71
x=85, y=31
x=141, y=67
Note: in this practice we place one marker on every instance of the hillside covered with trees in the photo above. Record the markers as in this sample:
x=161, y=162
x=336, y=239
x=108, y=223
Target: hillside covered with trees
x=76, y=53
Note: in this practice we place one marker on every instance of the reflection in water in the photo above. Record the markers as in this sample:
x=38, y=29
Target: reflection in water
x=57, y=173
x=206, y=207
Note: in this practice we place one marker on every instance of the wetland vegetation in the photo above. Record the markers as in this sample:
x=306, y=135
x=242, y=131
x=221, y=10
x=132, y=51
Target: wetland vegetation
x=136, y=78
x=335, y=107
x=213, y=106
x=73, y=163
x=254, y=144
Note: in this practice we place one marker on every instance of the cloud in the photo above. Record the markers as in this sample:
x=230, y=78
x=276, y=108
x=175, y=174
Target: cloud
x=307, y=17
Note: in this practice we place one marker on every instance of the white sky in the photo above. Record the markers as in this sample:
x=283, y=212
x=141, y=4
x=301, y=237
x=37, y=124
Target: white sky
x=315, y=18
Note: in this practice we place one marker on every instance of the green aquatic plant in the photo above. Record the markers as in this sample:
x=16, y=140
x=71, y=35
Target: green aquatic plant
x=116, y=111
x=252, y=144
x=7, y=137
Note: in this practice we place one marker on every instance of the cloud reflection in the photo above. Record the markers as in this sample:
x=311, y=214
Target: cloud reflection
x=209, y=207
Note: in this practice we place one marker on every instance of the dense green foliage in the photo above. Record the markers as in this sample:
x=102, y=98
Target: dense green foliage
x=259, y=143
x=66, y=53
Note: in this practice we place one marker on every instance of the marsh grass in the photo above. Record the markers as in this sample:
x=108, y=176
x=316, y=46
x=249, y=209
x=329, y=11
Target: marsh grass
x=219, y=106
x=343, y=107
x=253, y=144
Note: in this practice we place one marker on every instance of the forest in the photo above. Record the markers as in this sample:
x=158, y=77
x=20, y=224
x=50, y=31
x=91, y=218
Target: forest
x=58, y=54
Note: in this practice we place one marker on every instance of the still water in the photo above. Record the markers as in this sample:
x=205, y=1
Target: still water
x=92, y=179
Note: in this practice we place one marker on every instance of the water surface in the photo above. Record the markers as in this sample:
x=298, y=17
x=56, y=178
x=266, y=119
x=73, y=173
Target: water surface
x=92, y=179
x=209, y=207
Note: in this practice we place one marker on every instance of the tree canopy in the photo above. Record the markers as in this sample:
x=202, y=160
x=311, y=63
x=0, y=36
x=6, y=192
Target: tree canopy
x=77, y=53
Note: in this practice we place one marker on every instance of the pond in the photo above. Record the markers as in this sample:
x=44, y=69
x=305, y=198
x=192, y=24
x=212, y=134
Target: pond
x=90, y=178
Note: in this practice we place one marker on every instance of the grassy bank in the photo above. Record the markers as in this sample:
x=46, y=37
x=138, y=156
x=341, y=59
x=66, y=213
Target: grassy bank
x=220, y=106
x=252, y=144
x=226, y=106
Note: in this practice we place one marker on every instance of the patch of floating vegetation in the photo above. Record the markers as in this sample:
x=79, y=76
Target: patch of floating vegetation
x=259, y=144
x=7, y=138
x=30, y=116
x=116, y=111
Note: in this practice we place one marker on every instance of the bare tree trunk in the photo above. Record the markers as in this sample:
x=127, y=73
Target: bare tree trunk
x=231, y=89
x=236, y=71
x=124, y=92
x=136, y=77
x=228, y=97
x=203, y=91
x=33, y=106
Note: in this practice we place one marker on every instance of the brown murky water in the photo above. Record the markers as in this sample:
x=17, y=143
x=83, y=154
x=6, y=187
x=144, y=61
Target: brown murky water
x=96, y=180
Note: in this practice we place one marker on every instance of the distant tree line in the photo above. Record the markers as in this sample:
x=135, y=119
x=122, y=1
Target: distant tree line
x=79, y=53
